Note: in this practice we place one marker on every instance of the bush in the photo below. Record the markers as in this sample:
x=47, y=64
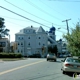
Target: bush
x=10, y=55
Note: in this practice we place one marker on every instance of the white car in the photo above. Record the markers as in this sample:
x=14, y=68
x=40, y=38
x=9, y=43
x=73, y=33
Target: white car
x=70, y=64
x=51, y=56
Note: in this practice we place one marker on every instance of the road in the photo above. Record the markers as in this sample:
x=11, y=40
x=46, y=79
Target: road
x=32, y=69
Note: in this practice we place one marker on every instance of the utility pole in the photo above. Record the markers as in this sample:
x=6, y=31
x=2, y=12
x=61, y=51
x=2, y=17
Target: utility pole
x=67, y=24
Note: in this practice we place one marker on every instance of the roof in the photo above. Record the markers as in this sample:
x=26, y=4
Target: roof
x=20, y=33
x=37, y=30
x=41, y=30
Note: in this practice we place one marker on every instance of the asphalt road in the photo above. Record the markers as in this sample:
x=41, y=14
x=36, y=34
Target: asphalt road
x=32, y=69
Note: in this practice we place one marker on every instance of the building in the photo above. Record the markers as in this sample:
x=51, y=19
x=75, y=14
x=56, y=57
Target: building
x=4, y=45
x=31, y=40
x=52, y=37
x=62, y=47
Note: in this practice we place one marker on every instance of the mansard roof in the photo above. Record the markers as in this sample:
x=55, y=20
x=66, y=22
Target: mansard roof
x=37, y=30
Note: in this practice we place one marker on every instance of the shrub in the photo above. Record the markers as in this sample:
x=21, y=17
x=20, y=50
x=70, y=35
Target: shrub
x=10, y=55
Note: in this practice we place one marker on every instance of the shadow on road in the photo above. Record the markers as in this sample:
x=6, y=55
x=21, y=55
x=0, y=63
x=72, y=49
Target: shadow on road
x=45, y=76
x=54, y=61
x=70, y=74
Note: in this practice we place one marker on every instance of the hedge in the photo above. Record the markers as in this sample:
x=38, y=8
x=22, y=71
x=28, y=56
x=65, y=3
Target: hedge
x=10, y=55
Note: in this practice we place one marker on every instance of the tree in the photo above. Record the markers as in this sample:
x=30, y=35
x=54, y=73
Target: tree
x=53, y=49
x=73, y=40
x=3, y=30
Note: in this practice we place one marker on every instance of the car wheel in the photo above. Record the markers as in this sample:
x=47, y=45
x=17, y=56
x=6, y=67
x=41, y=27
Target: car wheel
x=55, y=60
x=63, y=72
x=47, y=59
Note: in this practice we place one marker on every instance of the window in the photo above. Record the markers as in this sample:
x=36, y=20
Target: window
x=29, y=44
x=19, y=38
x=39, y=37
x=18, y=43
x=18, y=51
x=2, y=44
x=21, y=43
x=43, y=44
x=39, y=43
x=22, y=37
x=21, y=51
x=28, y=37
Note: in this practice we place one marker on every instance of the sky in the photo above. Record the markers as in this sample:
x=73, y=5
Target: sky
x=45, y=12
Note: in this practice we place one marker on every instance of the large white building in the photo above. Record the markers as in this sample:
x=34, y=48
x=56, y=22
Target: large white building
x=31, y=40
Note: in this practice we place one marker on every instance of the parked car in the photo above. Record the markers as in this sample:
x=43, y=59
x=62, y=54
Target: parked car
x=35, y=56
x=64, y=55
x=51, y=56
x=70, y=64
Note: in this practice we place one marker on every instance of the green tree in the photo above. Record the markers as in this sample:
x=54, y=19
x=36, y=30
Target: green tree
x=53, y=49
x=3, y=30
x=73, y=40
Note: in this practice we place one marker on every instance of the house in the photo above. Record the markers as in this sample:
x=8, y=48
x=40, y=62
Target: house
x=31, y=40
x=4, y=45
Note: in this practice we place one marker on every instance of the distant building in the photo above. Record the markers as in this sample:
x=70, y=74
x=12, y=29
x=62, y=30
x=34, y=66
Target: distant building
x=13, y=46
x=4, y=45
x=62, y=47
x=31, y=40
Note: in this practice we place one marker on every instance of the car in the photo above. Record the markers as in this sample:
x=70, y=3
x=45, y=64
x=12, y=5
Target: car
x=35, y=56
x=71, y=64
x=51, y=56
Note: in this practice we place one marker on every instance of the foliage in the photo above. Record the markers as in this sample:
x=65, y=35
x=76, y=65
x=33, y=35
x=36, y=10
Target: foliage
x=73, y=40
x=10, y=55
x=53, y=49
x=3, y=30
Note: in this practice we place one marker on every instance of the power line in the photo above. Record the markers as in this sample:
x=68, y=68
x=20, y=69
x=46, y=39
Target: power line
x=52, y=8
x=13, y=18
x=24, y=17
x=60, y=26
x=31, y=13
x=27, y=11
x=41, y=10
x=66, y=0
x=14, y=23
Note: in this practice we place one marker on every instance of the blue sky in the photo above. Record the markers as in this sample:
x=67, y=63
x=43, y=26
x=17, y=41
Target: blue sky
x=47, y=12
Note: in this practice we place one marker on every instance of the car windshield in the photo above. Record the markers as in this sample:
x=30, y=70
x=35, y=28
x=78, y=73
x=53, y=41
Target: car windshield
x=73, y=60
x=52, y=54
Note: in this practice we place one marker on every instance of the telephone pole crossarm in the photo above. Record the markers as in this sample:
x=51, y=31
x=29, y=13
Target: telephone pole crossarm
x=67, y=24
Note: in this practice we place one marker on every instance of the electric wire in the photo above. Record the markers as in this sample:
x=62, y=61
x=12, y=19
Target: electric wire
x=24, y=17
x=41, y=10
x=27, y=12
x=52, y=8
x=13, y=23
x=32, y=14
x=66, y=0
x=25, y=21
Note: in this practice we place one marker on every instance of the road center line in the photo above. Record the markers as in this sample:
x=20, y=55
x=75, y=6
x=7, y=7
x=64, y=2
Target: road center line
x=10, y=70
